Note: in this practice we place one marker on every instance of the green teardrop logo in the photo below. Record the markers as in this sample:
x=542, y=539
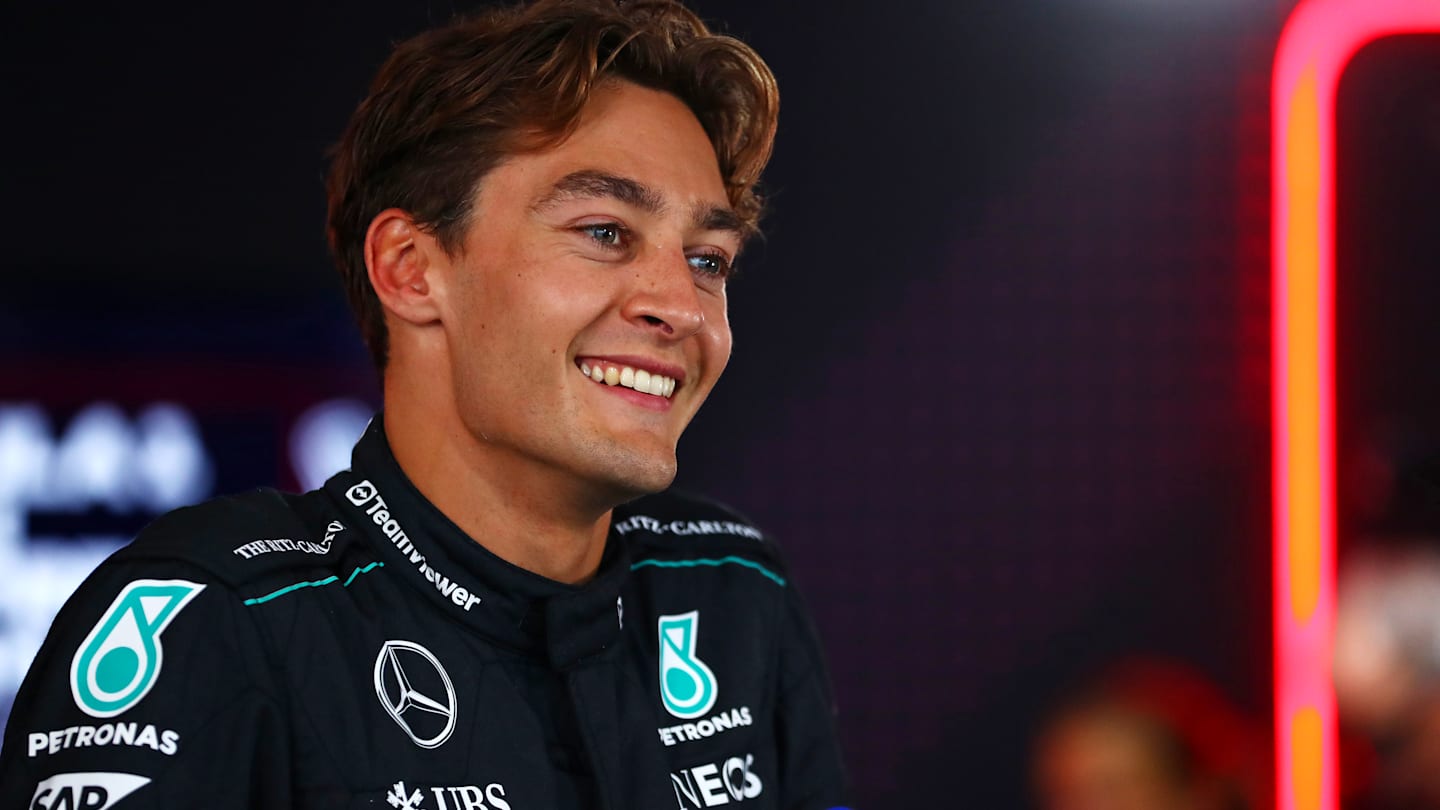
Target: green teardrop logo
x=687, y=685
x=120, y=659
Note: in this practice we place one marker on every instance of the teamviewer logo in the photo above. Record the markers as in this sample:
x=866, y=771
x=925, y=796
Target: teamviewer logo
x=361, y=493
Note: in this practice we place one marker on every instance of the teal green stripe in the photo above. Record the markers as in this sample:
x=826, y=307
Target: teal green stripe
x=260, y=600
x=358, y=571
x=713, y=563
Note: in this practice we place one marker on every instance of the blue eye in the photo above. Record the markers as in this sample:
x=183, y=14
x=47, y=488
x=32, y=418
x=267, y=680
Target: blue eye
x=711, y=264
x=608, y=234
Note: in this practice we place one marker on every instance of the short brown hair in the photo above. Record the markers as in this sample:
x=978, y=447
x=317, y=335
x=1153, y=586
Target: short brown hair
x=452, y=103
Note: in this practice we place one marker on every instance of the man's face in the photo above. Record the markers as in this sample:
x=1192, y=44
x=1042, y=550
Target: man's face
x=588, y=268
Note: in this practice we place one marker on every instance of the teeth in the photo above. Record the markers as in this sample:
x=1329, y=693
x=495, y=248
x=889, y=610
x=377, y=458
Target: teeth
x=639, y=379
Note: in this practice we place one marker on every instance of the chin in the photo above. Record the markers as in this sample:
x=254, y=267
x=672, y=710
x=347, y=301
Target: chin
x=650, y=481
x=622, y=470
x=634, y=477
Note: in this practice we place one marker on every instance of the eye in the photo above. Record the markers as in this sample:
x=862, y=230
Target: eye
x=608, y=234
x=711, y=264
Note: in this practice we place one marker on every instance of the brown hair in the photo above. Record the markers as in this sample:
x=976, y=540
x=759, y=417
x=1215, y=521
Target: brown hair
x=452, y=103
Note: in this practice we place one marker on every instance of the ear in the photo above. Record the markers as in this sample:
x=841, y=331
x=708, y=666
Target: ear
x=402, y=261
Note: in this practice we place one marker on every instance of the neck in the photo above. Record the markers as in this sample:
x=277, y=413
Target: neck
x=519, y=510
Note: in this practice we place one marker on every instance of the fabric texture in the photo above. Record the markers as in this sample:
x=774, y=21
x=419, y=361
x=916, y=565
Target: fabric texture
x=351, y=647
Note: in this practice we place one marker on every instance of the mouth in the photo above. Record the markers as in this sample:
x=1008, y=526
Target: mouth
x=642, y=376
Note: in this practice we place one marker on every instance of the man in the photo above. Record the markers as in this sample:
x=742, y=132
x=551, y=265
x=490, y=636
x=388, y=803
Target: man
x=534, y=212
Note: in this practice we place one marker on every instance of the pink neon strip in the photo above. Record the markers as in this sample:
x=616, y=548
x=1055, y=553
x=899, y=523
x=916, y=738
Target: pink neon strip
x=1319, y=40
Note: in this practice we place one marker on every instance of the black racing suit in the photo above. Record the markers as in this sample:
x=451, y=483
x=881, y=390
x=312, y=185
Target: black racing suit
x=350, y=647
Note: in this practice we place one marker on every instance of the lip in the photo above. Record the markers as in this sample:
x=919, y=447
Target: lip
x=646, y=401
x=675, y=372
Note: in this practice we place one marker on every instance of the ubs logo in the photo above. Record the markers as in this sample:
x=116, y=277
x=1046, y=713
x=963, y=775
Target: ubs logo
x=416, y=691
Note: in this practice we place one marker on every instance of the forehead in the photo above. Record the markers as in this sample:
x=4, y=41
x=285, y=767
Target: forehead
x=635, y=132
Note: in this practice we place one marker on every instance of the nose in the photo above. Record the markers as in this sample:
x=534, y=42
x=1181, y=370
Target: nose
x=663, y=297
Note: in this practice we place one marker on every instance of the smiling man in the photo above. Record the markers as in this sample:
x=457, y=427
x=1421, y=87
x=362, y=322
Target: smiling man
x=535, y=212
x=542, y=371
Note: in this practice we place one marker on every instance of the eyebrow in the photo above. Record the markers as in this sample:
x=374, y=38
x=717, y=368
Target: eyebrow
x=721, y=218
x=592, y=184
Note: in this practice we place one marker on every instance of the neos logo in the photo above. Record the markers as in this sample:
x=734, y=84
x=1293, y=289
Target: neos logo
x=416, y=692
x=687, y=685
x=120, y=659
x=711, y=785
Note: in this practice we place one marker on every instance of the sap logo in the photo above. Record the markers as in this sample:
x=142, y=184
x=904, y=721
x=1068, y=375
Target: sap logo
x=466, y=797
x=85, y=791
x=711, y=785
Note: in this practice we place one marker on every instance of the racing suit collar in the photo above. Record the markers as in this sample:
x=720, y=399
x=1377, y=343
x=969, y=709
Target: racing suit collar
x=511, y=606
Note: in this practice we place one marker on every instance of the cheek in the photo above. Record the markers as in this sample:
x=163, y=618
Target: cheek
x=715, y=351
x=717, y=336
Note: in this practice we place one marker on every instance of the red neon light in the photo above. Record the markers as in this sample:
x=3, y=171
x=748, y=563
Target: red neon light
x=1318, y=42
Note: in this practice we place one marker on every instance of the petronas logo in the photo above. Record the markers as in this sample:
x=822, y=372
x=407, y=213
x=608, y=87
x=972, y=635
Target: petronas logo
x=687, y=686
x=120, y=659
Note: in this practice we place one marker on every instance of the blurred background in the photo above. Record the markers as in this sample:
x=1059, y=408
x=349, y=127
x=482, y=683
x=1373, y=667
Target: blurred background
x=1001, y=376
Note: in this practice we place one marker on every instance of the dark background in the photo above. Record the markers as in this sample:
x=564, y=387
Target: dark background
x=1388, y=291
x=1001, y=372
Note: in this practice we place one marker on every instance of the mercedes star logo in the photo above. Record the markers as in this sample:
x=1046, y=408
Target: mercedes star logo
x=416, y=691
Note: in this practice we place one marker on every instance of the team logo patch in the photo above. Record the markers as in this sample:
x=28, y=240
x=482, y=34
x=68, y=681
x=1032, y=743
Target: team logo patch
x=714, y=784
x=416, y=691
x=85, y=791
x=463, y=797
x=120, y=659
x=687, y=685
x=361, y=493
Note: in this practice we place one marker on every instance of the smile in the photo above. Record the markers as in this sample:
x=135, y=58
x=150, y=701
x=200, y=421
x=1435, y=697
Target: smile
x=640, y=380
